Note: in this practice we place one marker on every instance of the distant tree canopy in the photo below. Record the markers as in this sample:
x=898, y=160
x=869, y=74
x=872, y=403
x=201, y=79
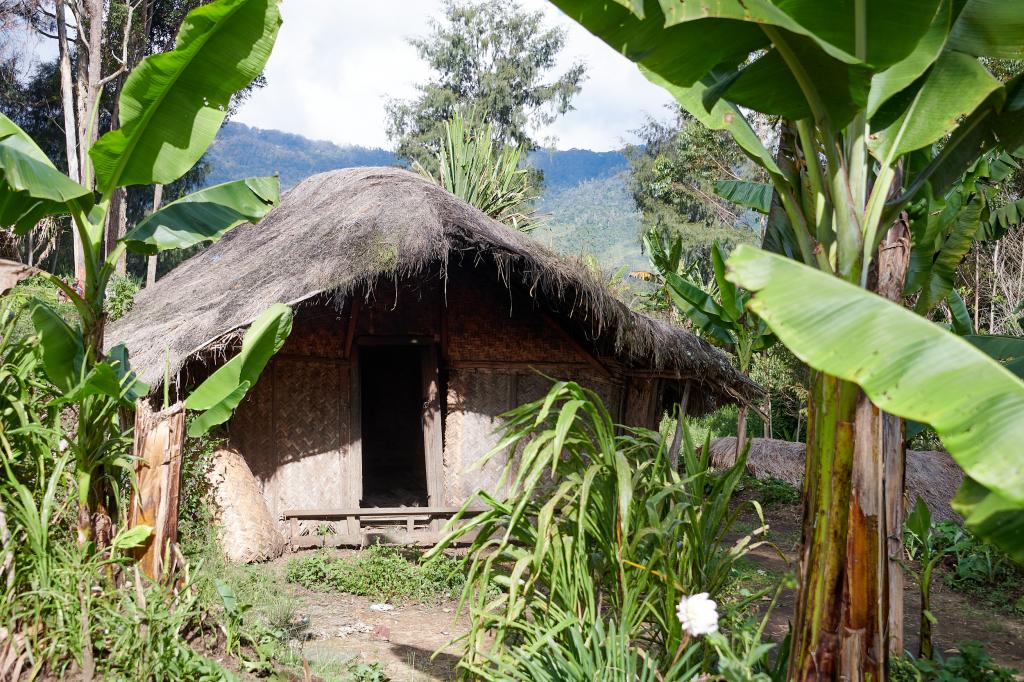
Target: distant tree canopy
x=493, y=62
x=675, y=167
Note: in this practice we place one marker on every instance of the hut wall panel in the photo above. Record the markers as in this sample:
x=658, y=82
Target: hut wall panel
x=318, y=332
x=252, y=430
x=412, y=307
x=307, y=435
x=475, y=399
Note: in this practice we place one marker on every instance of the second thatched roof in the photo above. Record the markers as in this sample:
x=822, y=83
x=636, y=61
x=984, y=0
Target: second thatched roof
x=344, y=229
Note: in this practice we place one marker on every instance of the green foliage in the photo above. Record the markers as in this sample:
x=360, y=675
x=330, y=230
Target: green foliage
x=488, y=57
x=220, y=393
x=206, y=215
x=381, y=572
x=598, y=537
x=196, y=529
x=595, y=217
x=717, y=309
x=120, y=296
x=978, y=568
x=971, y=664
x=772, y=491
x=677, y=166
x=158, y=102
x=490, y=176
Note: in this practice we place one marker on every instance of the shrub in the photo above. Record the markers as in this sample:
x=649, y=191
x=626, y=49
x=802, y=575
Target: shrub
x=772, y=491
x=121, y=293
x=380, y=572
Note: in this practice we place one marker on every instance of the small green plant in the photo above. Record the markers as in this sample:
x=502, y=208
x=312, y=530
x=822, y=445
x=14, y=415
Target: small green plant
x=927, y=549
x=978, y=568
x=580, y=568
x=971, y=664
x=380, y=572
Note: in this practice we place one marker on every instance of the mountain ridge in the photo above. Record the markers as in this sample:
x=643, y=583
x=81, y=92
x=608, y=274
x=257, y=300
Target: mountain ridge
x=586, y=201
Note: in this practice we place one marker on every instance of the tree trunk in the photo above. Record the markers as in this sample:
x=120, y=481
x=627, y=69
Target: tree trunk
x=873, y=580
x=814, y=653
x=71, y=140
x=992, y=298
x=159, y=440
x=158, y=194
x=977, y=287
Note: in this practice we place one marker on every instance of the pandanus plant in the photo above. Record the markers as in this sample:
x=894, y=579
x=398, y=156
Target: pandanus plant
x=863, y=86
x=170, y=108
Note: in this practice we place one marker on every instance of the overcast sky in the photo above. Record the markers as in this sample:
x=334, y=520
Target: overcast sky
x=337, y=61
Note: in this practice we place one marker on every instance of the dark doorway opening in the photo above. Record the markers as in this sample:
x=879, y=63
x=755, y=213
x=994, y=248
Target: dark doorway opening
x=394, y=468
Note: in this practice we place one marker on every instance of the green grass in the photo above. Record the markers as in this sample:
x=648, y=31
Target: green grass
x=380, y=572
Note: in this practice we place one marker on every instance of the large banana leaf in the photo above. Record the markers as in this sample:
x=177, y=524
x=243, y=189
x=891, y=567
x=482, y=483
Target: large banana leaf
x=938, y=268
x=903, y=73
x=990, y=28
x=173, y=104
x=955, y=86
x=992, y=517
x=1008, y=350
x=62, y=347
x=907, y=365
x=206, y=215
x=218, y=396
x=31, y=188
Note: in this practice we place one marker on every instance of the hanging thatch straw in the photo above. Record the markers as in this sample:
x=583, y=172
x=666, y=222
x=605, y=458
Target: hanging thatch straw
x=930, y=474
x=338, y=231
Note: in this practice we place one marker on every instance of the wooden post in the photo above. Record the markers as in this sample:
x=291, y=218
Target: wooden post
x=159, y=440
x=433, y=446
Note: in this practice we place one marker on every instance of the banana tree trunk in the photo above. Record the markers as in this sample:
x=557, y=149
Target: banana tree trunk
x=159, y=441
x=873, y=584
x=829, y=465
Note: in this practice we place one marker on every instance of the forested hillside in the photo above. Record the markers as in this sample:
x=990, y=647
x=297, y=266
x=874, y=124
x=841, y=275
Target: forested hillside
x=241, y=151
x=586, y=200
x=596, y=217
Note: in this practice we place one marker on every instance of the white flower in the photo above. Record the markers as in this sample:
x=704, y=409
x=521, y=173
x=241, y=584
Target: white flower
x=698, y=614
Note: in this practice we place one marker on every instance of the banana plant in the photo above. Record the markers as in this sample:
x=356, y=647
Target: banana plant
x=170, y=109
x=866, y=85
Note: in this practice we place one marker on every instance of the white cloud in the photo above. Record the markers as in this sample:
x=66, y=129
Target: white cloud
x=337, y=61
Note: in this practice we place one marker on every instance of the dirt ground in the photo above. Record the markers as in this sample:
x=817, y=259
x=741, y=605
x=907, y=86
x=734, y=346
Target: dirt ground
x=341, y=628
x=960, y=618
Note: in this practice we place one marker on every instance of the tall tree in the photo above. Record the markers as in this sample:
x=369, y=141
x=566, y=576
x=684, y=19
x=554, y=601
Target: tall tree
x=493, y=61
x=675, y=166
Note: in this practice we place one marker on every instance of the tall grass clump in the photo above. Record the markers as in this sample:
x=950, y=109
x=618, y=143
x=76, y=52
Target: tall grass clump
x=579, y=566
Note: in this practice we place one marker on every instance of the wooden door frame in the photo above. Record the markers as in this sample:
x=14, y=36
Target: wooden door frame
x=431, y=417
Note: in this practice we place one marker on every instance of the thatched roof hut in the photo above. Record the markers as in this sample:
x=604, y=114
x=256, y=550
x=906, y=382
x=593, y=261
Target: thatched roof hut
x=931, y=475
x=399, y=287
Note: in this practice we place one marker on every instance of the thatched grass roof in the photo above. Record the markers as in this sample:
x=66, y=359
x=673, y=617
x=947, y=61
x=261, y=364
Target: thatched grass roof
x=931, y=475
x=349, y=228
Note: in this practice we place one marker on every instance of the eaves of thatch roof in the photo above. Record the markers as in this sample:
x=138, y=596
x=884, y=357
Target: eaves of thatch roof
x=349, y=228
